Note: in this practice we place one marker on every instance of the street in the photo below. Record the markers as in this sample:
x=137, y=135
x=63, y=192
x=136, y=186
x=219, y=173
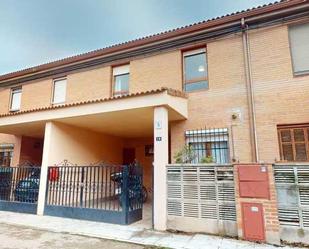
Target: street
x=15, y=237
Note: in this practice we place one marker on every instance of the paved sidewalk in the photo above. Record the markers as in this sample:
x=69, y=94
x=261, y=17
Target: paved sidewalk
x=17, y=237
x=131, y=234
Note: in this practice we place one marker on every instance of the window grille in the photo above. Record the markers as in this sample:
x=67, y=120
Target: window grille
x=209, y=144
x=6, y=155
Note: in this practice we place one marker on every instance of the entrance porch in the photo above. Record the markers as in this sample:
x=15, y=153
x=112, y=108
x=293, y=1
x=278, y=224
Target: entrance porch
x=98, y=135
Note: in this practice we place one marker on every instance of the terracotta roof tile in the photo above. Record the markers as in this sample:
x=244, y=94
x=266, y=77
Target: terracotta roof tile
x=155, y=37
x=169, y=91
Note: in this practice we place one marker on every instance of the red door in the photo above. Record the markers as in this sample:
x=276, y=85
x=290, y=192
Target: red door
x=253, y=221
x=128, y=155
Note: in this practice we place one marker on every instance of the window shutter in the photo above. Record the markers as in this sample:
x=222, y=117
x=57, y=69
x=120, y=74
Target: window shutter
x=293, y=141
x=121, y=70
x=59, y=91
x=299, y=39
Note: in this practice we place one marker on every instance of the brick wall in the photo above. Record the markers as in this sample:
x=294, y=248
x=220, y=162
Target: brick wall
x=227, y=93
x=156, y=71
x=4, y=100
x=280, y=97
x=36, y=94
x=270, y=210
x=91, y=84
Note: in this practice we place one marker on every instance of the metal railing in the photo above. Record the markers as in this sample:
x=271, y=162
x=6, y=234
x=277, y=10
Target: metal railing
x=19, y=184
x=105, y=187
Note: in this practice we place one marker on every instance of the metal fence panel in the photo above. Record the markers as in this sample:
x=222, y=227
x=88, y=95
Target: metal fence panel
x=19, y=188
x=110, y=193
x=204, y=192
x=292, y=184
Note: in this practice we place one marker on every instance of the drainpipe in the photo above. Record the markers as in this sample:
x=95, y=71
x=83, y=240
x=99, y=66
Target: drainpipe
x=250, y=91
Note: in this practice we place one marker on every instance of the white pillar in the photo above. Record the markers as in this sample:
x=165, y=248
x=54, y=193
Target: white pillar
x=44, y=167
x=160, y=162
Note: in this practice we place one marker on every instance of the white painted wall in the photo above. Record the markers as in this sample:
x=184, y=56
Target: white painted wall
x=160, y=162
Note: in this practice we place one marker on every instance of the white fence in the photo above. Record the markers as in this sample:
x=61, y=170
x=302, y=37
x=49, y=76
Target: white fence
x=201, y=198
x=292, y=185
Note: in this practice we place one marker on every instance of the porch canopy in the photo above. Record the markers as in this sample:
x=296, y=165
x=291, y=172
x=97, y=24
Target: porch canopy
x=127, y=116
x=80, y=131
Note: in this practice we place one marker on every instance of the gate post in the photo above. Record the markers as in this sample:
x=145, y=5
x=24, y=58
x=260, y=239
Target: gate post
x=160, y=162
x=256, y=199
x=125, y=192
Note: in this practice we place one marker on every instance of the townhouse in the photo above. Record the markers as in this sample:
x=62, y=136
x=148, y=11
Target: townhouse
x=234, y=89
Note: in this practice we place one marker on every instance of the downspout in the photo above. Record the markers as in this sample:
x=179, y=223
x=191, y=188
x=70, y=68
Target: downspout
x=250, y=91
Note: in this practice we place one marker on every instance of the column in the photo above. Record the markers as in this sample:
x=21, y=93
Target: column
x=160, y=162
x=44, y=167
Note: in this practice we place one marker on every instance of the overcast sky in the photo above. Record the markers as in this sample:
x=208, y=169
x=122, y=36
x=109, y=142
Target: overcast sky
x=33, y=32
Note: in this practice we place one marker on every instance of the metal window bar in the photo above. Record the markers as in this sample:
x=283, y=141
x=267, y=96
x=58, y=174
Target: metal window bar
x=6, y=156
x=209, y=144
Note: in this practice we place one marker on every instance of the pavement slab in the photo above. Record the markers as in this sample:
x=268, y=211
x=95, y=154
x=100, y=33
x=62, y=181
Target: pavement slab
x=129, y=234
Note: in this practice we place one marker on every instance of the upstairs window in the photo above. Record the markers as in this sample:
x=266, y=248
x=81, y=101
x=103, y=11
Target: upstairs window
x=209, y=145
x=294, y=143
x=59, y=91
x=6, y=155
x=15, y=99
x=121, y=77
x=195, y=70
x=299, y=43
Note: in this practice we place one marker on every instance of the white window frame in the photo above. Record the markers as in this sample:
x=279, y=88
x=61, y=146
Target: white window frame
x=118, y=71
x=15, y=90
x=53, y=95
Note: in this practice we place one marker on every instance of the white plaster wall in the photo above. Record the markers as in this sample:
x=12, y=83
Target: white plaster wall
x=82, y=147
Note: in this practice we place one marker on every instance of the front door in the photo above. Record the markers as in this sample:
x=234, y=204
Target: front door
x=128, y=156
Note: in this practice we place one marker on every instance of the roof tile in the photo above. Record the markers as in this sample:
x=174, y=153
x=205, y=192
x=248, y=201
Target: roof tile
x=169, y=91
x=148, y=39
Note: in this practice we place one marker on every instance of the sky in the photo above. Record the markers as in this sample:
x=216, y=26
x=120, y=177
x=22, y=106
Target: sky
x=33, y=32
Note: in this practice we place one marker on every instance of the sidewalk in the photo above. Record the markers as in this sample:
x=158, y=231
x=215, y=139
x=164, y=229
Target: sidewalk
x=131, y=234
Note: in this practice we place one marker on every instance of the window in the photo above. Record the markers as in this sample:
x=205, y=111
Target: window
x=15, y=99
x=195, y=70
x=121, y=76
x=294, y=143
x=6, y=155
x=59, y=91
x=211, y=144
x=299, y=43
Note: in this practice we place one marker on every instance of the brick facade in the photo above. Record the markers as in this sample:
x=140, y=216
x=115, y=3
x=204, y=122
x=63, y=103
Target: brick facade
x=277, y=92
